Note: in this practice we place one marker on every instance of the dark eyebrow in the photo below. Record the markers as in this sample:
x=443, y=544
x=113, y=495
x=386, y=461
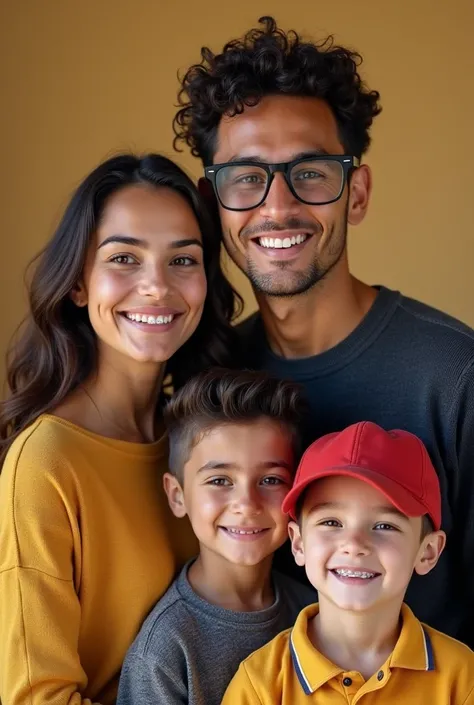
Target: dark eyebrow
x=186, y=242
x=218, y=465
x=307, y=154
x=136, y=242
x=123, y=240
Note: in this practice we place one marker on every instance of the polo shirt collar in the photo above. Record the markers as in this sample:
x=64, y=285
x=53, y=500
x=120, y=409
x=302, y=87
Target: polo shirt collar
x=413, y=650
x=312, y=668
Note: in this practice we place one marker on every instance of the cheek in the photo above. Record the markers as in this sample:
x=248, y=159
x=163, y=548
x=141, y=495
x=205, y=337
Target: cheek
x=274, y=500
x=209, y=503
x=194, y=291
x=105, y=289
x=232, y=223
x=396, y=554
x=320, y=546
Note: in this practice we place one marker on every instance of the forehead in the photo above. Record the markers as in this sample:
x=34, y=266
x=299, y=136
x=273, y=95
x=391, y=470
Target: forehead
x=144, y=210
x=278, y=128
x=243, y=444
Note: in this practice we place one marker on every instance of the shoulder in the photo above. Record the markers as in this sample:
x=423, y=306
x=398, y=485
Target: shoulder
x=42, y=455
x=436, y=325
x=446, y=649
x=430, y=343
x=265, y=664
x=166, y=630
x=453, y=662
x=45, y=439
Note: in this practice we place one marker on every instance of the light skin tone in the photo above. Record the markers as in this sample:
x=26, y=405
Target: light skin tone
x=359, y=552
x=279, y=129
x=145, y=259
x=233, y=485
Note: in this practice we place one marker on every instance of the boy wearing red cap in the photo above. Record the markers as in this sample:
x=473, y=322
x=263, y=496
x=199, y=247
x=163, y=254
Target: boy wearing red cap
x=366, y=515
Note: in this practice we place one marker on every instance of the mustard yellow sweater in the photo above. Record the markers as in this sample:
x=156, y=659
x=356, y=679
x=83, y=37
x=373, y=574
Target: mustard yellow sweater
x=87, y=546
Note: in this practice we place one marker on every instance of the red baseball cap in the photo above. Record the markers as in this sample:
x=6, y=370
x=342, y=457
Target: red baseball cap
x=394, y=462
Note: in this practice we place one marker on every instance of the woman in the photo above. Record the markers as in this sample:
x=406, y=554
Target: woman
x=87, y=542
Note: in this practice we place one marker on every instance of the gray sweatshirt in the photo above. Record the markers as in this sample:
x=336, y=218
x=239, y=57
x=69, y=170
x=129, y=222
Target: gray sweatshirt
x=188, y=650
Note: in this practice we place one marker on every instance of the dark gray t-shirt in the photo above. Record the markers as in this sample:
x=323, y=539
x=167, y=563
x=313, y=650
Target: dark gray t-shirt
x=188, y=650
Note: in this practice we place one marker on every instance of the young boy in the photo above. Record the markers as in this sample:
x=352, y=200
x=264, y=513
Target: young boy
x=233, y=445
x=366, y=514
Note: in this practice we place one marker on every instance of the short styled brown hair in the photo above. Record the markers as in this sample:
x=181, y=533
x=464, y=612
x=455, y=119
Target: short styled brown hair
x=221, y=396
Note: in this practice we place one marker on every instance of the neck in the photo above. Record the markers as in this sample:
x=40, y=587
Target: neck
x=233, y=587
x=118, y=400
x=356, y=641
x=311, y=323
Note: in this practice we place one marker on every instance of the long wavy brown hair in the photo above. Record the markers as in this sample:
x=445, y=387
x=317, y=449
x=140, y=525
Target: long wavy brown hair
x=55, y=348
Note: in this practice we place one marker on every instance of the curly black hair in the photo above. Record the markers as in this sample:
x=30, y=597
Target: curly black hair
x=270, y=61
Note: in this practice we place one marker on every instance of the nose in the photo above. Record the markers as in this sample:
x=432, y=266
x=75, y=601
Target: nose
x=355, y=543
x=247, y=500
x=280, y=203
x=154, y=281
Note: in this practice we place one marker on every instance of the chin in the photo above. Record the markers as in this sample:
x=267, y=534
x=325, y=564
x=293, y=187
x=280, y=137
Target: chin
x=246, y=561
x=157, y=357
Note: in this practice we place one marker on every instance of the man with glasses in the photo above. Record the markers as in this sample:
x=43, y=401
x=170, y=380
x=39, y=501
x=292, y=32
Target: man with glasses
x=281, y=126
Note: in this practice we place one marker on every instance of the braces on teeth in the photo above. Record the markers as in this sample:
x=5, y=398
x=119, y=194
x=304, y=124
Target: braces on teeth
x=354, y=573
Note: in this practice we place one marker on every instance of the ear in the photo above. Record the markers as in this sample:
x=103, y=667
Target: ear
x=297, y=548
x=360, y=188
x=78, y=294
x=175, y=495
x=429, y=552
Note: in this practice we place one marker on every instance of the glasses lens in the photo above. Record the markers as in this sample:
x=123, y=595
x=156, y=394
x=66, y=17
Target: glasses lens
x=241, y=185
x=318, y=180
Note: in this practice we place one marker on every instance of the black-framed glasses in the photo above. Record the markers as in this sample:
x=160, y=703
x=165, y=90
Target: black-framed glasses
x=315, y=180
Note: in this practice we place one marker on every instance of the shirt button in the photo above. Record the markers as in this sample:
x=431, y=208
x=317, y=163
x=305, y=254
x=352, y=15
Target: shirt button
x=347, y=682
x=379, y=675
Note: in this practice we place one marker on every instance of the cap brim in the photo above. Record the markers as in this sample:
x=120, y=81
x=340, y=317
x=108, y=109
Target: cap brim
x=393, y=491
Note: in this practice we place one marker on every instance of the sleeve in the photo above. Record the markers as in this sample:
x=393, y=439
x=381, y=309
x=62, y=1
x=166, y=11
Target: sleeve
x=462, y=461
x=241, y=690
x=145, y=681
x=40, y=611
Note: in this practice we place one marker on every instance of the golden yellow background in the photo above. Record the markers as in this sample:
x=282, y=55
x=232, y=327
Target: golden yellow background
x=83, y=79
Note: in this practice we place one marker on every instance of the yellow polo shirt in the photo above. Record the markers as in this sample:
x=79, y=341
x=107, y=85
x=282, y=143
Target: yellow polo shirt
x=424, y=667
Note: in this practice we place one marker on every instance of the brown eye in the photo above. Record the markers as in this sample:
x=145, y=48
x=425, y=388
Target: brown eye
x=183, y=261
x=122, y=259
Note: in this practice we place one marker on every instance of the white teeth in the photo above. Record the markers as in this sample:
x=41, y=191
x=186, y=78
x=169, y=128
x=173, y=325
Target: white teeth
x=278, y=243
x=151, y=320
x=354, y=573
x=242, y=531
